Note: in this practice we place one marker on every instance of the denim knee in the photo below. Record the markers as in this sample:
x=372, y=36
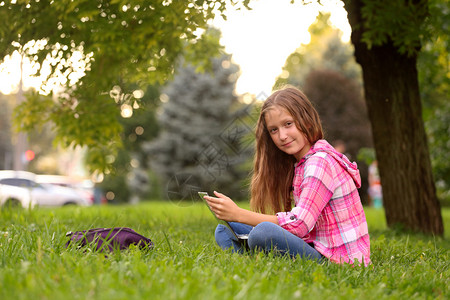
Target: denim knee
x=261, y=234
x=269, y=236
x=220, y=233
x=226, y=240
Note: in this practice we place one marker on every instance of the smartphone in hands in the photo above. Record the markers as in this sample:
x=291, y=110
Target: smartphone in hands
x=239, y=237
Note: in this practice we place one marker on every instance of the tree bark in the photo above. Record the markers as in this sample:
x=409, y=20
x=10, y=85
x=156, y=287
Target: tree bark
x=394, y=108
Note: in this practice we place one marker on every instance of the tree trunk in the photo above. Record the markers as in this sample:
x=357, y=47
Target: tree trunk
x=394, y=108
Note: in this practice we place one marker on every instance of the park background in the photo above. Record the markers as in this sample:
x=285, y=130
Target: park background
x=315, y=57
x=181, y=121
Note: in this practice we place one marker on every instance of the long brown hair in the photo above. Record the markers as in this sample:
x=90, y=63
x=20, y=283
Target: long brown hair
x=274, y=169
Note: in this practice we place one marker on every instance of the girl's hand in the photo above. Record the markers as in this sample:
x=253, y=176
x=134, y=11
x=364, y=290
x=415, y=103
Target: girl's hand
x=224, y=208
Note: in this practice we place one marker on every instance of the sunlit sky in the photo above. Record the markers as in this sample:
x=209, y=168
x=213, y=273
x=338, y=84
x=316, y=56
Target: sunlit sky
x=260, y=40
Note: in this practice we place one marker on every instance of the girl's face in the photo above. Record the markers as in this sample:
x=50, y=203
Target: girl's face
x=285, y=134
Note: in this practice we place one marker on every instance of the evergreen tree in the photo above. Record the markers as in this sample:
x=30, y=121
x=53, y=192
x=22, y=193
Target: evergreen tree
x=200, y=146
x=91, y=46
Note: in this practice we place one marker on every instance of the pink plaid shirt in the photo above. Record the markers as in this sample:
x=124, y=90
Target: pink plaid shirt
x=328, y=211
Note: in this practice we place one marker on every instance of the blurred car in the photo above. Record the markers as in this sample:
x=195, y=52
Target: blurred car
x=15, y=196
x=22, y=182
x=82, y=185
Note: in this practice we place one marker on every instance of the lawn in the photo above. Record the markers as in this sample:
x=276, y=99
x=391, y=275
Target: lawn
x=186, y=263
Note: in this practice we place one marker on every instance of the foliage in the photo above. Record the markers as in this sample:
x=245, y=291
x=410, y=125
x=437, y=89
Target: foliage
x=434, y=80
x=397, y=21
x=367, y=155
x=141, y=127
x=91, y=46
x=341, y=107
x=201, y=122
x=434, y=59
x=343, y=113
x=438, y=131
x=186, y=263
x=326, y=51
x=5, y=131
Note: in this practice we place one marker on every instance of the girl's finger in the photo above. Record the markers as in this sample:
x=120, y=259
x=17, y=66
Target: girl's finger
x=211, y=199
x=219, y=194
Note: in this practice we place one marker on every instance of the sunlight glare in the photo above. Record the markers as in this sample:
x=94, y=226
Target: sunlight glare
x=261, y=39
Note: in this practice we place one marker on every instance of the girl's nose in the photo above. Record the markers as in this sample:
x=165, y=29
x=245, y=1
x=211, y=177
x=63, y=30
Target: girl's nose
x=283, y=134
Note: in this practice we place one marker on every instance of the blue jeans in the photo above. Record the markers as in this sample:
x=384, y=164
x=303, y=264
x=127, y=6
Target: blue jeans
x=265, y=236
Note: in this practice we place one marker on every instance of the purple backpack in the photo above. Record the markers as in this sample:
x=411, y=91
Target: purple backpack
x=109, y=239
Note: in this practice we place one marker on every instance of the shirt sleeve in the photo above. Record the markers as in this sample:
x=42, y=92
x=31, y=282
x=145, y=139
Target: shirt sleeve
x=311, y=194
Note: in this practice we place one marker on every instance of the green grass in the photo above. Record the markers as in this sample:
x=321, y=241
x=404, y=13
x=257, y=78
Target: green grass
x=186, y=263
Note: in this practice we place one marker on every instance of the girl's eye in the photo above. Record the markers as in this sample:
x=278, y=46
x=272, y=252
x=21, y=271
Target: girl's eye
x=289, y=123
x=273, y=130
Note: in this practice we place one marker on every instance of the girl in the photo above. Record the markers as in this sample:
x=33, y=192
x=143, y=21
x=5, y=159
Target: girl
x=294, y=165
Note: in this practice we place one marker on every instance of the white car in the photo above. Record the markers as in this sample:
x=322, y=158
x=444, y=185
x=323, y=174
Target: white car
x=15, y=196
x=25, y=187
x=82, y=185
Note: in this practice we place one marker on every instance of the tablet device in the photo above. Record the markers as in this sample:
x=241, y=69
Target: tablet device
x=239, y=237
